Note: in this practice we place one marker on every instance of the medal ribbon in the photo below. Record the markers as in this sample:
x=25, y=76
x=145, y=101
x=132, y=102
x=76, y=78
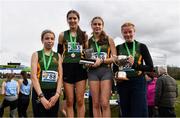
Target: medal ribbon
x=46, y=66
x=133, y=52
x=98, y=48
x=73, y=42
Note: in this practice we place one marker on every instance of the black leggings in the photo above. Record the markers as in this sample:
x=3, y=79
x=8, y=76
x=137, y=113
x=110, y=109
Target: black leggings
x=23, y=102
x=38, y=108
x=6, y=103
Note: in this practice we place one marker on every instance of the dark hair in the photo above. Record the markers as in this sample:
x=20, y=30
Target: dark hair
x=152, y=74
x=9, y=77
x=45, y=32
x=103, y=35
x=24, y=75
x=74, y=12
x=81, y=34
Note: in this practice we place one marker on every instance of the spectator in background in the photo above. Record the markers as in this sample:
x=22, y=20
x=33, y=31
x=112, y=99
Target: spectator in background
x=24, y=94
x=10, y=90
x=166, y=93
x=151, y=85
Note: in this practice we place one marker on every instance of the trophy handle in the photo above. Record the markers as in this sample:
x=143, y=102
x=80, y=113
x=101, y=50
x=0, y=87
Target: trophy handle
x=114, y=60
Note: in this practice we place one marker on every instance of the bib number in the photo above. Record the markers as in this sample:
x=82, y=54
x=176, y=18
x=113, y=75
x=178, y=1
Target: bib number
x=103, y=55
x=49, y=76
x=78, y=48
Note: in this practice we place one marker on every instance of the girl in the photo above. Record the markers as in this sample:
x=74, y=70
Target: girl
x=100, y=74
x=10, y=89
x=46, y=76
x=71, y=44
x=24, y=94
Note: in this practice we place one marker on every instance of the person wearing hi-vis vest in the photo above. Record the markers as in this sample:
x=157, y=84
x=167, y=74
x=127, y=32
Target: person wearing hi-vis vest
x=133, y=91
x=10, y=90
x=46, y=76
x=100, y=74
x=71, y=44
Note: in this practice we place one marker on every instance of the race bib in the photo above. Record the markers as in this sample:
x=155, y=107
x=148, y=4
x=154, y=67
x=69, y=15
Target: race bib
x=78, y=48
x=103, y=55
x=49, y=76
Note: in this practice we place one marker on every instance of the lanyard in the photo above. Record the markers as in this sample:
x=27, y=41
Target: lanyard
x=73, y=42
x=46, y=66
x=98, y=48
x=133, y=53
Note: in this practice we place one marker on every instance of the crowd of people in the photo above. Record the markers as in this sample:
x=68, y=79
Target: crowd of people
x=142, y=94
x=16, y=95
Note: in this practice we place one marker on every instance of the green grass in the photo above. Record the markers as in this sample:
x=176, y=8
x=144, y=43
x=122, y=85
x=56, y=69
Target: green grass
x=178, y=82
x=114, y=109
x=177, y=105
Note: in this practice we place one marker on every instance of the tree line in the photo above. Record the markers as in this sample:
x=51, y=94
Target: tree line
x=174, y=72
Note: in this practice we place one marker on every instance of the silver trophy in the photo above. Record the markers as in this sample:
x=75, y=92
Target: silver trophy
x=88, y=53
x=122, y=62
x=88, y=57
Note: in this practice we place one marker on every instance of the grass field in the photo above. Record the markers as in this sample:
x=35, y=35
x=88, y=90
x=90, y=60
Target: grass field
x=114, y=109
x=178, y=101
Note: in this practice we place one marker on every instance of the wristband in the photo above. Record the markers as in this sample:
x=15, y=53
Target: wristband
x=40, y=95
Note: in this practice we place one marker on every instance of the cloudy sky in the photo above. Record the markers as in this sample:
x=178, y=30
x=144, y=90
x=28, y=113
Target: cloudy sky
x=157, y=24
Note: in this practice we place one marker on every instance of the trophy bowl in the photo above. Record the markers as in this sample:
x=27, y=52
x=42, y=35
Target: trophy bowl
x=87, y=57
x=121, y=61
x=88, y=53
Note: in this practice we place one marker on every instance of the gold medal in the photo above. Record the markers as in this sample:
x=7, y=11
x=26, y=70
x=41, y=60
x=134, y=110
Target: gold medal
x=73, y=55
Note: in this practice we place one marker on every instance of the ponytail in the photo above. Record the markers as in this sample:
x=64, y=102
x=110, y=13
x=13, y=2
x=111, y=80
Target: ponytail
x=25, y=81
x=81, y=36
x=24, y=75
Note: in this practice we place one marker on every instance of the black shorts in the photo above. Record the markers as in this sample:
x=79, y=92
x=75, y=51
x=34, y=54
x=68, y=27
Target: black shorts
x=73, y=72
